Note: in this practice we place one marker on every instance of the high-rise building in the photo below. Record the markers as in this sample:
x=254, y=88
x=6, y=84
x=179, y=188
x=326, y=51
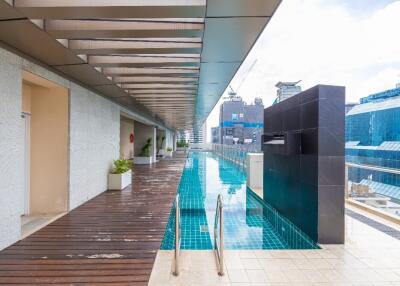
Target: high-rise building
x=241, y=123
x=373, y=138
x=215, y=135
x=199, y=134
x=287, y=89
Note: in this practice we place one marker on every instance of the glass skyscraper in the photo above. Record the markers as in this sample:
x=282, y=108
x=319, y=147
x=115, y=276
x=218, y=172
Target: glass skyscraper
x=373, y=138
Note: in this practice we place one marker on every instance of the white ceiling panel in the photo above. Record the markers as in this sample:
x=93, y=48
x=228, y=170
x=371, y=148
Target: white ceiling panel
x=156, y=57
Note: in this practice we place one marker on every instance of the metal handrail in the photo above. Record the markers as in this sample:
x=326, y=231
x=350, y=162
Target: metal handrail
x=219, y=221
x=177, y=235
x=373, y=168
x=365, y=167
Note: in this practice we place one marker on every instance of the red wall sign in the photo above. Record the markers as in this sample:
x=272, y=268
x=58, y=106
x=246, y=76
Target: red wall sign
x=132, y=138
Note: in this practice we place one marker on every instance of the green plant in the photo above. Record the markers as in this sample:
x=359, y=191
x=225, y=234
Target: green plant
x=145, y=152
x=169, y=149
x=121, y=166
x=182, y=143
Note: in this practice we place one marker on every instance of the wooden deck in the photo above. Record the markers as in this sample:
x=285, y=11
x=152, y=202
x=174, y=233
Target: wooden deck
x=110, y=240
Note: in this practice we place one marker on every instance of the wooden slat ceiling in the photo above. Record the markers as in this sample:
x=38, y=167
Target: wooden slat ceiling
x=168, y=59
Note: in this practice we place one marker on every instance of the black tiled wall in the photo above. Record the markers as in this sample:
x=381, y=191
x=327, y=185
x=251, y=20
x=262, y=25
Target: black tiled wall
x=304, y=176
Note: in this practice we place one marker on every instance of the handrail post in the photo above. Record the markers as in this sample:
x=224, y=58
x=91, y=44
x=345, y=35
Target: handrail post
x=219, y=220
x=177, y=236
x=346, y=181
x=221, y=237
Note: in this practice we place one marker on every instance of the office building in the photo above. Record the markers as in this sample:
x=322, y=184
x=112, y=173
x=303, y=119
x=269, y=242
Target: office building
x=287, y=89
x=241, y=123
x=199, y=134
x=215, y=135
x=373, y=138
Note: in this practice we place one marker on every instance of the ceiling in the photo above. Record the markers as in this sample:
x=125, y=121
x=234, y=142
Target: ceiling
x=170, y=60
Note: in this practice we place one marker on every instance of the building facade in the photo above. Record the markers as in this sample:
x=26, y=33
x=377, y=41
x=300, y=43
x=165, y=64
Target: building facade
x=215, y=135
x=373, y=138
x=241, y=123
x=286, y=90
x=199, y=134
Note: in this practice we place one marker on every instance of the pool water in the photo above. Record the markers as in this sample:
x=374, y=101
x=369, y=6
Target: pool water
x=249, y=223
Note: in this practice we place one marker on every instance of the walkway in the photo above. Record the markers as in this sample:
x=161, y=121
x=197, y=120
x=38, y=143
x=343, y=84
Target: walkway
x=369, y=257
x=112, y=239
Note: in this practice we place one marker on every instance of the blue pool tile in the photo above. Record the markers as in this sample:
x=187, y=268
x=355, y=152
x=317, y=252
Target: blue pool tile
x=249, y=223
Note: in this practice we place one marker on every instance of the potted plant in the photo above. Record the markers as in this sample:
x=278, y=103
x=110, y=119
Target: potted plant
x=121, y=174
x=169, y=152
x=181, y=145
x=145, y=157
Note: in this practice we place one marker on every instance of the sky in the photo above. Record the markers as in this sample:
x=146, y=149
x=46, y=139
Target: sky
x=352, y=43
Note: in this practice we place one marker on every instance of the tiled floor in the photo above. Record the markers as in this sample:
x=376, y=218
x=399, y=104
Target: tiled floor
x=369, y=257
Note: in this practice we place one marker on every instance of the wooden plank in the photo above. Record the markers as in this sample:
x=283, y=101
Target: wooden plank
x=110, y=240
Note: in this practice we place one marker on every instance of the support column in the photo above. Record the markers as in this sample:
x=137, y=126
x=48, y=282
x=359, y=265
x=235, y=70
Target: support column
x=154, y=144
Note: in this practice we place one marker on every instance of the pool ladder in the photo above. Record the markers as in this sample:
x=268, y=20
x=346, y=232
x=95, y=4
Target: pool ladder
x=219, y=235
x=177, y=236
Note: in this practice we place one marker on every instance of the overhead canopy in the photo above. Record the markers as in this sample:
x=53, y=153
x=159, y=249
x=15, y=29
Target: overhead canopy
x=168, y=59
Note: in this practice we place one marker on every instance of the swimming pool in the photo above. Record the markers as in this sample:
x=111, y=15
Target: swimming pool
x=249, y=223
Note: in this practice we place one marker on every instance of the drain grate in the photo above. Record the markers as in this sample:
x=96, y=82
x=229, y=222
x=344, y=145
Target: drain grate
x=203, y=228
x=373, y=223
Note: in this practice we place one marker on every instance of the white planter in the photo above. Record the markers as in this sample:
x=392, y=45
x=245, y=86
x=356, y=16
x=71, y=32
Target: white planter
x=143, y=160
x=168, y=153
x=119, y=181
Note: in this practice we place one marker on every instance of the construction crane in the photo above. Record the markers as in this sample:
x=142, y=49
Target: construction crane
x=232, y=93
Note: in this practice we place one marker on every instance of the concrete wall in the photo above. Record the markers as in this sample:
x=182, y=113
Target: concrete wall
x=11, y=149
x=126, y=147
x=94, y=143
x=169, y=139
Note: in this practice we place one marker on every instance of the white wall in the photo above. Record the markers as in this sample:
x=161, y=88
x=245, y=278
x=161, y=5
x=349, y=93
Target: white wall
x=11, y=149
x=94, y=142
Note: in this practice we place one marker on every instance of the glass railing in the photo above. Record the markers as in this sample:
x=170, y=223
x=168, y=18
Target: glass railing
x=235, y=153
x=374, y=187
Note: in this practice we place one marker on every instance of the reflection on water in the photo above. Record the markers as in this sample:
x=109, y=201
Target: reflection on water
x=249, y=223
